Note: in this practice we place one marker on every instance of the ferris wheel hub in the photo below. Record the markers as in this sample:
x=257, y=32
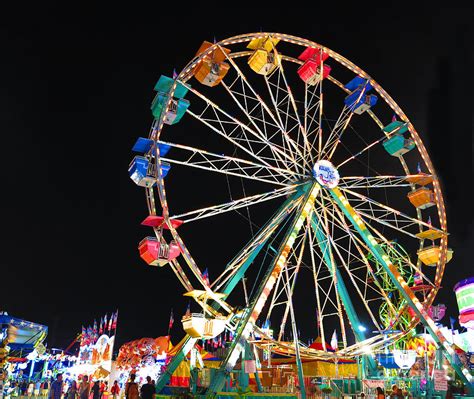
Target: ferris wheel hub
x=326, y=174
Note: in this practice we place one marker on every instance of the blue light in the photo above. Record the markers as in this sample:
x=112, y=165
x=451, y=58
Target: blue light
x=361, y=328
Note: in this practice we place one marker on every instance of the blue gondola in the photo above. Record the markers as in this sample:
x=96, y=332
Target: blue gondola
x=387, y=360
x=359, y=101
x=142, y=174
x=143, y=145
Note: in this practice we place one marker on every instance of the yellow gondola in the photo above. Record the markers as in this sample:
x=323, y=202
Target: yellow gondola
x=265, y=58
x=430, y=255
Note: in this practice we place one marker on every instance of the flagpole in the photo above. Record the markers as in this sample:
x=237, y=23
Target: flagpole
x=170, y=324
x=114, y=324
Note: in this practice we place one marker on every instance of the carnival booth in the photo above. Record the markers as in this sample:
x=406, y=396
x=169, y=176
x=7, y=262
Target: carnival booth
x=148, y=356
x=95, y=351
x=144, y=357
x=21, y=342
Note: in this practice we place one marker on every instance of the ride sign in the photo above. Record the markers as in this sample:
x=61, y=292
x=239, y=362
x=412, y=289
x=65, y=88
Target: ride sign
x=326, y=174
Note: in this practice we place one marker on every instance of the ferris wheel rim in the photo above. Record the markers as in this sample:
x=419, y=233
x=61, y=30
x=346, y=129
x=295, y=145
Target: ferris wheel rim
x=156, y=132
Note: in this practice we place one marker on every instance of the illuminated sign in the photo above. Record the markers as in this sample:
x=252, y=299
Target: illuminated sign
x=326, y=174
x=465, y=295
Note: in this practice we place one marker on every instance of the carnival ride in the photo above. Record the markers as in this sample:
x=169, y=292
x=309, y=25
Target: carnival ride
x=356, y=205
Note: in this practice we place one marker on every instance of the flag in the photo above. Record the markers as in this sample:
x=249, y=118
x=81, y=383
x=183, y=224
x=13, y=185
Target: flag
x=188, y=311
x=205, y=276
x=429, y=220
x=89, y=335
x=94, y=332
x=114, y=323
x=105, y=322
x=111, y=320
x=417, y=279
x=334, y=340
x=175, y=75
x=171, y=320
x=418, y=168
x=219, y=342
x=101, y=326
x=394, y=117
x=83, y=336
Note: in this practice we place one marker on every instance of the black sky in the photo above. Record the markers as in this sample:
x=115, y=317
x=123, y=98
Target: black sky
x=76, y=84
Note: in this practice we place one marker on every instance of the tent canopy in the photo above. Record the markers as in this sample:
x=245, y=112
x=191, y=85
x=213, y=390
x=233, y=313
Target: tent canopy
x=22, y=334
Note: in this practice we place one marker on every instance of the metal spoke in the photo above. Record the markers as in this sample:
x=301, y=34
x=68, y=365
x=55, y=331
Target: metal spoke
x=377, y=181
x=253, y=118
x=290, y=103
x=201, y=159
x=218, y=111
x=219, y=209
x=367, y=148
x=358, y=244
x=234, y=266
x=336, y=133
x=340, y=127
x=265, y=107
x=385, y=214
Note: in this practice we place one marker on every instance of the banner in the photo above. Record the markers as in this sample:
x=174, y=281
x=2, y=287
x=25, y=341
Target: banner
x=372, y=384
x=250, y=366
x=440, y=380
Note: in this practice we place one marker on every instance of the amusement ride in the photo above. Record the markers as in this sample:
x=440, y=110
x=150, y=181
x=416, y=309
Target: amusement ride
x=346, y=214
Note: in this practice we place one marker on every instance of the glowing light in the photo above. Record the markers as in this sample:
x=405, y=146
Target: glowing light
x=361, y=328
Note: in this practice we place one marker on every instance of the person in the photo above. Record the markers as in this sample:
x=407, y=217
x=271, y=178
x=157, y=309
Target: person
x=95, y=390
x=84, y=388
x=115, y=390
x=103, y=388
x=30, y=389
x=147, y=390
x=380, y=393
x=72, y=391
x=394, y=393
x=56, y=388
x=131, y=388
x=37, y=388
x=23, y=387
x=44, y=388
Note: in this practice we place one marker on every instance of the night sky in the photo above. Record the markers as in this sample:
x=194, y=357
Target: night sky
x=76, y=85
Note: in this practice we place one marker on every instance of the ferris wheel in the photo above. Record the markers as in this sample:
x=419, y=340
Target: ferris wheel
x=347, y=226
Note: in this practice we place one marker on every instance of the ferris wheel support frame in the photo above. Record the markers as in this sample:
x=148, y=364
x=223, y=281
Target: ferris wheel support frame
x=324, y=245
x=251, y=313
x=230, y=285
x=278, y=217
x=403, y=287
x=188, y=344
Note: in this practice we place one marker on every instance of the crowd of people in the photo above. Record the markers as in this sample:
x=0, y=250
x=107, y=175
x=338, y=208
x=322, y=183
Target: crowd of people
x=87, y=389
x=27, y=388
x=84, y=388
x=57, y=388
